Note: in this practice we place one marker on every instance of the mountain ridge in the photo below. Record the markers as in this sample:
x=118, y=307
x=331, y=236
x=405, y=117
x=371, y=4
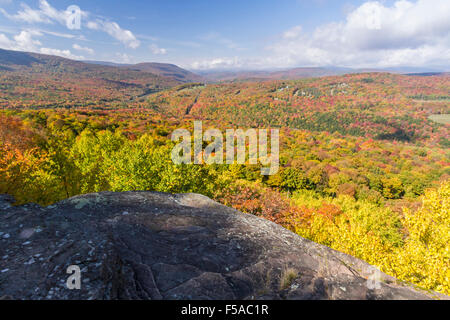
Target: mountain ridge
x=167, y=70
x=298, y=73
x=76, y=80
x=16, y=60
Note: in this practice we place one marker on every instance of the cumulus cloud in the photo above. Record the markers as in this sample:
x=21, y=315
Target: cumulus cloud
x=115, y=31
x=157, y=50
x=85, y=49
x=292, y=33
x=49, y=15
x=373, y=35
x=62, y=53
x=25, y=41
x=26, y=15
x=123, y=58
x=406, y=33
x=21, y=42
x=45, y=14
x=219, y=63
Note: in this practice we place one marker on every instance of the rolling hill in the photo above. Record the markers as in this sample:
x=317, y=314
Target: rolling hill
x=377, y=105
x=166, y=70
x=305, y=72
x=261, y=75
x=37, y=80
x=357, y=151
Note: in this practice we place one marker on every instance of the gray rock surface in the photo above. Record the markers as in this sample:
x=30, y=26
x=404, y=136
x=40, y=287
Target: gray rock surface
x=144, y=245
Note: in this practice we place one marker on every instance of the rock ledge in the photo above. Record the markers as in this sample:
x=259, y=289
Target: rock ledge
x=145, y=245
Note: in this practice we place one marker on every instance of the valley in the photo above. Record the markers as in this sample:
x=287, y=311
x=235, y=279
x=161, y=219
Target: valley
x=365, y=157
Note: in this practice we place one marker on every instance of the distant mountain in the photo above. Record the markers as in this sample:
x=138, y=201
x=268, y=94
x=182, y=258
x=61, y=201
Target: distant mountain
x=15, y=61
x=166, y=70
x=23, y=61
x=172, y=74
x=306, y=72
x=288, y=74
x=298, y=73
x=75, y=80
x=429, y=74
x=406, y=70
x=107, y=63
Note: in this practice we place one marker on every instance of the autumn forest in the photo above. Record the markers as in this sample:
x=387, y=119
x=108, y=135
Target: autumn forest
x=364, y=157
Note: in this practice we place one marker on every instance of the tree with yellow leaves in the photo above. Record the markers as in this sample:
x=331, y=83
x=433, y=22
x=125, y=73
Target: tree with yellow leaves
x=425, y=257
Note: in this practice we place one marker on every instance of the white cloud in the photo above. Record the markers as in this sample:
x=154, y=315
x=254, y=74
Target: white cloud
x=27, y=15
x=85, y=49
x=115, y=31
x=123, y=58
x=52, y=13
x=292, y=33
x=21, y=42
x=24, y=42
x=61, y=53
x=58, y=34
x=48, y=14
x=406, y=33
x=5, y=42
x=218, y=63
x=157, y=50
x=93, y=25
x=45, y=14
x=373, y=35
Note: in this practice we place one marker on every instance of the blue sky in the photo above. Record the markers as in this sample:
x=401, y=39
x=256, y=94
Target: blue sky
x=252, y=34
